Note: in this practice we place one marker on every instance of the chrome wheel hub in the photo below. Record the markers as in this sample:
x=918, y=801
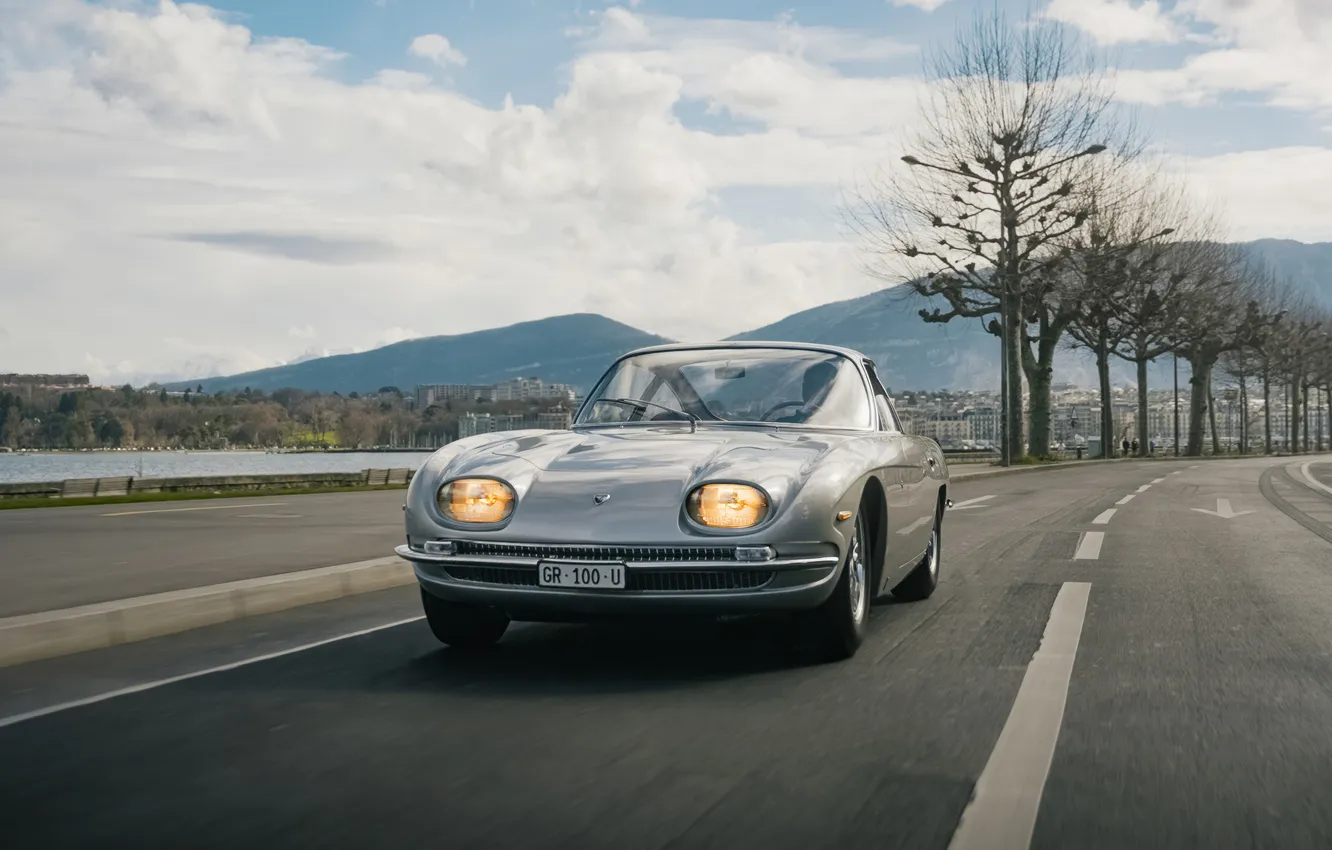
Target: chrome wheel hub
x=855, y=567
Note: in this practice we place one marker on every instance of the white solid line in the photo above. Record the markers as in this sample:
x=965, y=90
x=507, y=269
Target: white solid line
x=1089, y=547
x=1304, y=470
x=1007, y=797
x=204, y=508
x=1104, y=517
x=1144, y=488
x=147, y=686
x=1157, y=480
x=1125, y=500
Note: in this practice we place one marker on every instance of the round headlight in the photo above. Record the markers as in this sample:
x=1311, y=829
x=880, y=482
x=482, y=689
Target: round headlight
x=481, y=500
x=728, y=505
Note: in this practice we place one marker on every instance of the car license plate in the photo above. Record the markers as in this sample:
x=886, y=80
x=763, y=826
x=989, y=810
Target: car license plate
x=599, y=576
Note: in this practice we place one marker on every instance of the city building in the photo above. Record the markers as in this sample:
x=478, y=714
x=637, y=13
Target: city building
x=948, y=430
x=555, y=419
x=428, y=394
x=984, y=423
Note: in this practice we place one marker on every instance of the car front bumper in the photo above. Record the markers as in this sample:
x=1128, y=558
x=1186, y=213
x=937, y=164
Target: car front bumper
x=652, y=587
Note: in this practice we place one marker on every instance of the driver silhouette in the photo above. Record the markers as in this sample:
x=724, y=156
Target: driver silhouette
x=818, y=380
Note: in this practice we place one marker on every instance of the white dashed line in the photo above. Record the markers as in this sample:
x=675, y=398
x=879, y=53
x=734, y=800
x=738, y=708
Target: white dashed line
x=971, y=503
x=1125, y=500
x=1144, y=488
x=1177, y=472
x=1157, y=480
x=147, y=686
x=1003, y=807
x=1089, y=547
x=1104, y=517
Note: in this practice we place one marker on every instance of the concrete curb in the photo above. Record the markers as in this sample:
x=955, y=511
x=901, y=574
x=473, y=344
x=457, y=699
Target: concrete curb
x=47, y=634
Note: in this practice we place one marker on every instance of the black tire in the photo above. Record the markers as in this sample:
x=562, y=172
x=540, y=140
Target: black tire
x=837, y=627
x=461, y=625
x=921, y=581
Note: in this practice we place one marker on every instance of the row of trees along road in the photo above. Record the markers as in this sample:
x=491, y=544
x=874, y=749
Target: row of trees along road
x=1029, y=202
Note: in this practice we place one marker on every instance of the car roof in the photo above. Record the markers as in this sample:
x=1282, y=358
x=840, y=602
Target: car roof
x=740, y=344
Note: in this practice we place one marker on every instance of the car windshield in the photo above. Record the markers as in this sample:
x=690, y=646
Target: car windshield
x=792, y=386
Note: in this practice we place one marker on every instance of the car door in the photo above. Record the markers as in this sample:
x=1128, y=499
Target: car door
x=906, y=540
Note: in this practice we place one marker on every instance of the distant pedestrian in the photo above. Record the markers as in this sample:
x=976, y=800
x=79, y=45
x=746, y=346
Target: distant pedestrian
x=1135, y=447
x=1125, y=444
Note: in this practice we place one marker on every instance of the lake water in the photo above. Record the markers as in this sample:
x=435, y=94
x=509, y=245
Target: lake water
x=16, y=467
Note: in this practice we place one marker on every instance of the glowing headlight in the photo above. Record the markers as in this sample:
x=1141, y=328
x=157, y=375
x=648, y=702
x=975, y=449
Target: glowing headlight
x=728, y=505
x=482, y=500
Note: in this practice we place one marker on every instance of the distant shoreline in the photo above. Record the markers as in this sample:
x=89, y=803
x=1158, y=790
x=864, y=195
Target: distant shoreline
x=275, y=451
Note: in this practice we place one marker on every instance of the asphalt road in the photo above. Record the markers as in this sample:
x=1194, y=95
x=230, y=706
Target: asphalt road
x=1196, y=714
x=62, y=557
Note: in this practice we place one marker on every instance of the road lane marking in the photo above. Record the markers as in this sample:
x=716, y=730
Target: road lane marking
x=1144, y=488
x=915, y=525
x=222, y=668
x=1089, y=547
x=1007, y=797
x=1177, y=472
x=971, y=503
x=1223, y=510
x=1157, y=480
x=1125, y=500
x=269, y=516
x=1105, y=516
x=201, y=508
x=1304, y=470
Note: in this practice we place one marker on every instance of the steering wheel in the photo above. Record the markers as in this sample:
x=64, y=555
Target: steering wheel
x=779, y=406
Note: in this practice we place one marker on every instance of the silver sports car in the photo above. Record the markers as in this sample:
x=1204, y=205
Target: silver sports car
x=697, y=479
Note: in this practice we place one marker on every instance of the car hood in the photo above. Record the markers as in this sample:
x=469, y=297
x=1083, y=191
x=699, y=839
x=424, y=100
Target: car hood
x=645, y=472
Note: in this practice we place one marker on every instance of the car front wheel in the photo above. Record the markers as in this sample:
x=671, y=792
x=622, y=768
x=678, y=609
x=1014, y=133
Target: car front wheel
x=837, y=627
x=924, y=578
x=464, y=626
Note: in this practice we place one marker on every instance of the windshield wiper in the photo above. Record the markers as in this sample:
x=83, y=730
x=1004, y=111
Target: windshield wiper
x=641, y=405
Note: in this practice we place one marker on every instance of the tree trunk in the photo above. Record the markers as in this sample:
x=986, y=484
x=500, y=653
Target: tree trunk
x=1211, y=418
x=1305, y=402
x=1039, y=370
x=1267, y=409
x=1143, y=450
x=1108, y=435
x=1293, y=413
x=1199, y=380
x=1244, y=415
x=1013, y=340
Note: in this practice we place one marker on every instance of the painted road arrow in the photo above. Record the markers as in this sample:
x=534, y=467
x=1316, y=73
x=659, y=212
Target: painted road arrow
x=971, y=503
x=1223, y=510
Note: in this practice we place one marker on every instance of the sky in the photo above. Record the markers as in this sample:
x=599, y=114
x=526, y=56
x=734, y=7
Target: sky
x=190, y=190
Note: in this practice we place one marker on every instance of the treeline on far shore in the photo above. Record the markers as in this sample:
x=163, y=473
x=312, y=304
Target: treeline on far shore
x=35, y=418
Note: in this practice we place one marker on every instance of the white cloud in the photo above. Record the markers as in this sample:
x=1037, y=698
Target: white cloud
x=924, y=5
x=210, y=198
x=437, y=49
x=1276, y=49
x=1116, y=21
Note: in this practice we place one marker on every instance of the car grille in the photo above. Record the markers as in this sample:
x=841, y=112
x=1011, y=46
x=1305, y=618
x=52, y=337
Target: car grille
x=644, y=580
x=618, y=554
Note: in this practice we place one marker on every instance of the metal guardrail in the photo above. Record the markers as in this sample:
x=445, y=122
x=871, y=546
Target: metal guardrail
x=83, y=488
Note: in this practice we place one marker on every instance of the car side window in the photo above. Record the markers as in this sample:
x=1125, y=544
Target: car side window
x=887, y=418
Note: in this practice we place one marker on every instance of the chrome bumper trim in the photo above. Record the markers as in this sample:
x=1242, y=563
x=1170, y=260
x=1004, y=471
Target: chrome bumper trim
x=406, y=553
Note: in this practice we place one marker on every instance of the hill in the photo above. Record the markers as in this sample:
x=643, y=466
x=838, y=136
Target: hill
x=572, y=349
x=886, y=325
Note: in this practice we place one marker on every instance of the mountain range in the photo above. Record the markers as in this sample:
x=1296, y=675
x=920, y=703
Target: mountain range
x=576, y=348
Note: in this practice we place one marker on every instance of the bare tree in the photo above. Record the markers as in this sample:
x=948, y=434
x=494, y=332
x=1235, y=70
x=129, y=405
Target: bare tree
x=1224, y=315
x=995, y=176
